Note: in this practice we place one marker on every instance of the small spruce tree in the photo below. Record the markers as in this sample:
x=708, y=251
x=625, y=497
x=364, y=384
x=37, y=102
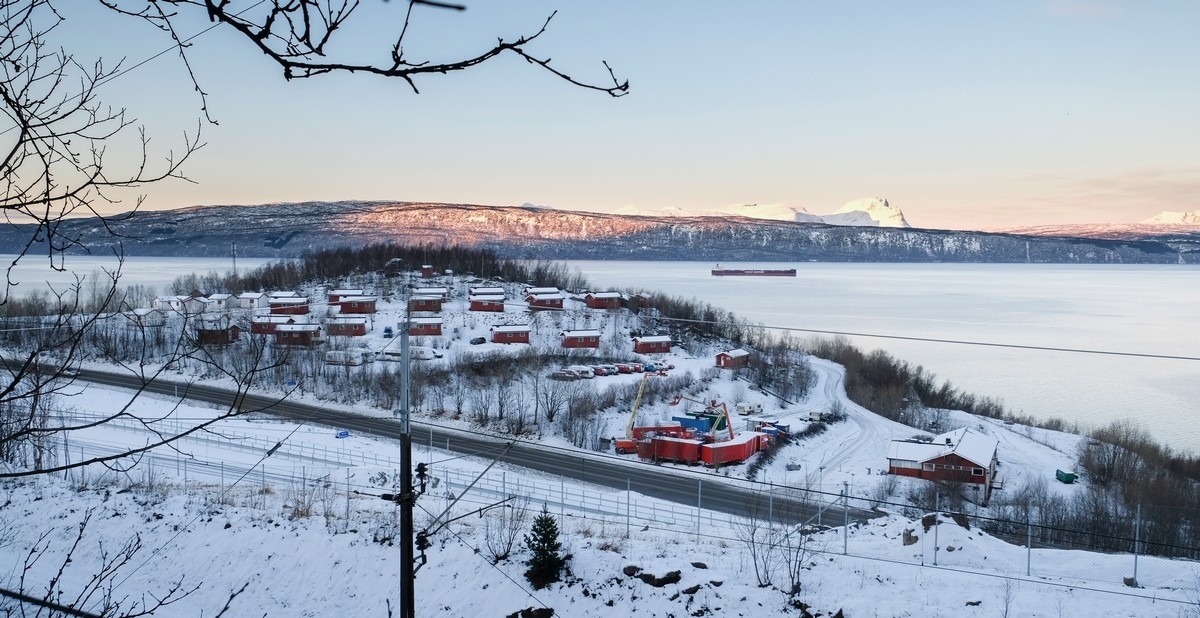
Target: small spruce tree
x=545, y=563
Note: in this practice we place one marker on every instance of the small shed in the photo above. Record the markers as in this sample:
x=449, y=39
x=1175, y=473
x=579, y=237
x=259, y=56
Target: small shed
x=581, y=339
x=346, y=325
x=655, y=344
x=602, y=300
x=297, y=334
x=147, y=316
x=510, y=333
x=221, y=302
x=424, y=327
x=733, y=359
x=487, y=302
x=427, y=271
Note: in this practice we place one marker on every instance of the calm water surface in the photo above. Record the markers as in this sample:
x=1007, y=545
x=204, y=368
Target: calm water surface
x=1143, y=309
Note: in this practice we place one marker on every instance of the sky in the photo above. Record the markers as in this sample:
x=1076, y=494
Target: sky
x=963, y=115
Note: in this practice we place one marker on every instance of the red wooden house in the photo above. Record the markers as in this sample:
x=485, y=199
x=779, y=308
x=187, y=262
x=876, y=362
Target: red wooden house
x=216, y=331
x=266, y=324
x=581, y=339
x=425, y=303
x=510, y=333
x=424, y=327
x=297, y=334
x=961, y=455
x=335, y=296
x=426, y=271
x=487, y=302
x=602, y=300
x=290, y=305
x=733, y=359
x=656, y=344
x=346, y=325
x=539, y=302
x=358, y=305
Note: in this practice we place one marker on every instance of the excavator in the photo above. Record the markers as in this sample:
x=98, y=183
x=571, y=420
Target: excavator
x=628, y=444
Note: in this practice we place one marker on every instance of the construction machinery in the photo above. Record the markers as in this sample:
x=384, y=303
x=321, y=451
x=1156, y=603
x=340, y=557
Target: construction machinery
x=717, y=414
x=628, y=444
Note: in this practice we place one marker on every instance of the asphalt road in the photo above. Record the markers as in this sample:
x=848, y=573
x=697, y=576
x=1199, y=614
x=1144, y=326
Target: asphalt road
x=680, y=485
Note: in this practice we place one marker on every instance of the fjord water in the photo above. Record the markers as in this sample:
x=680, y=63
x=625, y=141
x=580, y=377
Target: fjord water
x=1142, y=309
x=1138, y=309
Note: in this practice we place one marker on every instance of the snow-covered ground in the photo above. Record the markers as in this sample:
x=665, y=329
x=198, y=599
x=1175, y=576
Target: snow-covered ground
x=306, y=534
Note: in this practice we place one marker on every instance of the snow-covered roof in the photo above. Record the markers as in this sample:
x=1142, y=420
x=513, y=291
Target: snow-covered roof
x=511, y=328
x=541, y=290
x=220, y=296
x=425, y=320
x=581, y=333
x=278, y=319
x=297, y=328
x=288, y=300
x=973, y=446
x=653, y=339
x=347, y=319
x=487, y=298
x=358, y=292
x=545, y=296
x=358, y=299
x=604, y=294
x=431, y=291
x=486, y=290
x=252, y=294
x=736, y=353
x=426, y=297
x=284, y=294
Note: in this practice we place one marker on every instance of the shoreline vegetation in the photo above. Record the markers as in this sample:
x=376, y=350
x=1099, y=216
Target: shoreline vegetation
x=1125, y=467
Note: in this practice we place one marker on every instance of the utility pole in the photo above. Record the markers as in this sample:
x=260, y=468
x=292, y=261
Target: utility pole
x=407, y=557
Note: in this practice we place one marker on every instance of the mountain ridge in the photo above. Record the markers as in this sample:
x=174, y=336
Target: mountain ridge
x=290, y=229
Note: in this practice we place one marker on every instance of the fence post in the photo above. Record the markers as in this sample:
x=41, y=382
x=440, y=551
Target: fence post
x=937, y=506
x=1028, y=543
x=1137, y=537
x=845, y=518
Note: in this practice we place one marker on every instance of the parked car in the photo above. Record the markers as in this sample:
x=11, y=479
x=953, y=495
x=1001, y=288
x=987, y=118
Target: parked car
x=611, y=370
x=565, y=375
x=599, y=370
x=582, y=371
x=478, y=340
x=624, y=368
x=650, y=366
x=388, y=333
x=637, y=367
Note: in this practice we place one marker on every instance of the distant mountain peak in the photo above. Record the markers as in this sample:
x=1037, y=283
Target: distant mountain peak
x=1168, y=217
x=868, y=211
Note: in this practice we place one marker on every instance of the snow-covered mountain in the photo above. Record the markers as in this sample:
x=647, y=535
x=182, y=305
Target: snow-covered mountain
x=869, y=212
x=1168, y=217
x=288, y=230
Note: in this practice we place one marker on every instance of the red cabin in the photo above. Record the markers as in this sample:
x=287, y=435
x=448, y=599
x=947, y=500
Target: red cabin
x=961, y=455
x=487, y=302
x=652, y=345
x=297, y=334
x=581, y=339
x=603, y=300
x=510, y=333
x=346, y=325
x=425, y=303
x=538, y=302
x=425, y=327
x=291, y=305
x=360, y=305
x=733, y=359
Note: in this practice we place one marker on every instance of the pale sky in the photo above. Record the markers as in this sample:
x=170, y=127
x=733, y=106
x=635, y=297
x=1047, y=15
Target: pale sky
x=965, y=115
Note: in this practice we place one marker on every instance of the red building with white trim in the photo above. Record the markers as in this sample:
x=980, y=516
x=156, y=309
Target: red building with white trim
x=425, y=303
x=289, y=305
x=346, y=325
x=358, y=305
x=962, y=456
x=424, y=327
x=581, y=339
x=602, y=300
x=733, y=359
x=655, y=344
x=539, y=302
x=487, y=302
x=510, y=333
x=297, y=334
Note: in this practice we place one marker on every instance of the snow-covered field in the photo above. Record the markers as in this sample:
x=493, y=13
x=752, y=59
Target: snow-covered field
x=303, y=532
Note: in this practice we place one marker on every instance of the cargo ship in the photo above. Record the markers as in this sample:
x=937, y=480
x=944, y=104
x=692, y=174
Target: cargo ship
x=752, y=272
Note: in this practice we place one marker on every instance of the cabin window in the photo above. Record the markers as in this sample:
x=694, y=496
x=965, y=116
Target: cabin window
x=928, y=467
x=977, y=471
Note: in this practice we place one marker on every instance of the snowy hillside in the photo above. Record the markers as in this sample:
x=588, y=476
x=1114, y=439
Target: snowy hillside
x=1175, y=218
x=293, y=513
